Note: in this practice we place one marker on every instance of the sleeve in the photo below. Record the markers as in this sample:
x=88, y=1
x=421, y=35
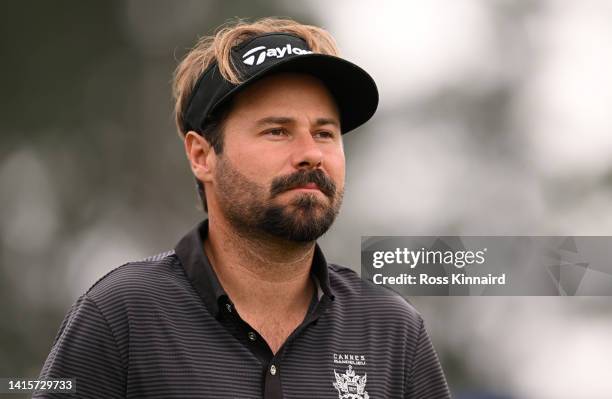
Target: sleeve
x=85, y=349
x=425, y=377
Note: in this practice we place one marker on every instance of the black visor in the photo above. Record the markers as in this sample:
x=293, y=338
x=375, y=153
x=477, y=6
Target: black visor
x=353, y=88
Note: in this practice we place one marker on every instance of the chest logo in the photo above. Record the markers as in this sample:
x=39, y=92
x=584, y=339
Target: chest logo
x=351, y=385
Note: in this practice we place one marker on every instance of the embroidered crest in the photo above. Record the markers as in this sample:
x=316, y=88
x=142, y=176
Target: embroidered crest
x=351, y=385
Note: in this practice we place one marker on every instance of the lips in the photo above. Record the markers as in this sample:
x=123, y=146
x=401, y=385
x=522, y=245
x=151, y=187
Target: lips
x=311, y=186
x=307, y=186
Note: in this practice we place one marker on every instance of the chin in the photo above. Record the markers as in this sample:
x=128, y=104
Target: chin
x=310, y=200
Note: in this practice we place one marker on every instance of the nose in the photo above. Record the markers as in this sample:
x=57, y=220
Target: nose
x=307, y=153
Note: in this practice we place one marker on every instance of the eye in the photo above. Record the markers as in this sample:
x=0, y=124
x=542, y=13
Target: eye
x=276, y=132
x=324, y=134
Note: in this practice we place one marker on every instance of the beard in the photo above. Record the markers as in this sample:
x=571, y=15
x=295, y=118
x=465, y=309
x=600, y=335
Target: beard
x=251, y=209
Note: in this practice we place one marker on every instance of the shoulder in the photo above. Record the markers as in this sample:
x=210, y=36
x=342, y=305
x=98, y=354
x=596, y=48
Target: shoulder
x=372, y=302
x=149, y=277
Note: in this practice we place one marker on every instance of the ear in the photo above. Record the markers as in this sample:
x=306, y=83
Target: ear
x=201, y=156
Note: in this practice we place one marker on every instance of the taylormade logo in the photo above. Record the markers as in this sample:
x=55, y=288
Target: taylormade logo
x=261, y=52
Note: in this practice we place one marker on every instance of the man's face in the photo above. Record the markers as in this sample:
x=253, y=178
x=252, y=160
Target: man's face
x=282, y=167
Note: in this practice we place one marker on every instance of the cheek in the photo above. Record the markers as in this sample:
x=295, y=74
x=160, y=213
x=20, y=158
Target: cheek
x=257, y=165
x=336, y=168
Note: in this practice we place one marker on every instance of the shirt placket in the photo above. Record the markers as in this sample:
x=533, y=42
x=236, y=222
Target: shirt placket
x=272, y=363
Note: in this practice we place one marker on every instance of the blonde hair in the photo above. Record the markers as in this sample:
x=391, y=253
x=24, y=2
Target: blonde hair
x=217, y=48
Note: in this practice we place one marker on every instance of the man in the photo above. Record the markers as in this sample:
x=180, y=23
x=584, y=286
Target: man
x=246, y=305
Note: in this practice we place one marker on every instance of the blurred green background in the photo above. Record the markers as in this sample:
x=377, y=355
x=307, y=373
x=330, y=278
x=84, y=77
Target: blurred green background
x=494, y=119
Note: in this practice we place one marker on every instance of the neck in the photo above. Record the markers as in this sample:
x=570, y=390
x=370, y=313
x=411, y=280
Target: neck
x=260, y=272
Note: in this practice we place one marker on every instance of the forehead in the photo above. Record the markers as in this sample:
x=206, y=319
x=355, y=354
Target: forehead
x=286, y=93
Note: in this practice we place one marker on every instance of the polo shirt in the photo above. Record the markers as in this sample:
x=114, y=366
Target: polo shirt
x=164, y=327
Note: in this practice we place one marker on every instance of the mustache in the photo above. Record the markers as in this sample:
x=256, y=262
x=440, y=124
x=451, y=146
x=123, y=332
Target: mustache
x=301, y=178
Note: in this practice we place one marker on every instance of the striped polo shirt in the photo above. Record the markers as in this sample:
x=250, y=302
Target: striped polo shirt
x=164, y=327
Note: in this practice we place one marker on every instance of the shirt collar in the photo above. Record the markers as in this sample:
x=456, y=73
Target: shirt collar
x=190, y=251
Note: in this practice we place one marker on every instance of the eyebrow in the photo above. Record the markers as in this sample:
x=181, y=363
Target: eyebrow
x=283, y=120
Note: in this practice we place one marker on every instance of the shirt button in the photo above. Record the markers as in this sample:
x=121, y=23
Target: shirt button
x=252, y=336
x=228, y=306
x=273, y=370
